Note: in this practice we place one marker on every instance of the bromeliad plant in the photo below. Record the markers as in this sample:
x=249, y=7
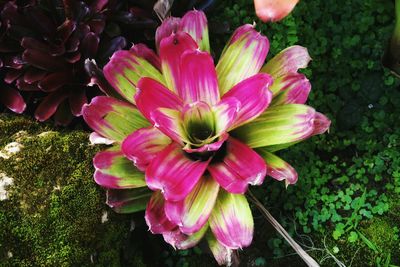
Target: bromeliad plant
x=197, y=135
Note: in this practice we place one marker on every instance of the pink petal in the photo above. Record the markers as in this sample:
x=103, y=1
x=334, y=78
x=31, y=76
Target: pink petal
x=278, y=125
x=231, y=220
x=112, y=118
x=274, y=10
x=222, y=254
x=171, y=50
x=113, y=170
x=240, y=32
x=152, y=95
x=226, y=113
x=168, y=26
x=179, y=240
x=241, y=166
x=289, y=60
x=170, y=123
x=195, y=23
x=277, y=168
x=198, y=78
x=141, y=50
x=321, y=124
x=192, y=213
x=291, y=88
x=174, y=173
x=143, y=145
x=96, y=139
x=208, y=147
x=12, y=99
x=125, y=69
x=253, y=95
x=155, y=216
x=242, y=57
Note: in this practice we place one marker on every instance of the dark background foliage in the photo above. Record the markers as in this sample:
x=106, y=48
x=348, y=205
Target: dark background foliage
x=345, y=206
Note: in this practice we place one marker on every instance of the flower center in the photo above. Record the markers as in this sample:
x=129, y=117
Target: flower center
x=199, y=123
x=217, y=156
x=199, y=132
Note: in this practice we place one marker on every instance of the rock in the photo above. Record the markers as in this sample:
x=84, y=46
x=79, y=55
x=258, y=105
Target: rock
x=50, y=208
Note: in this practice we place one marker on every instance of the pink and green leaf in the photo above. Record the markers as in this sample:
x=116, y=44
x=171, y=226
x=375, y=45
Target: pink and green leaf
x=321, y=123
x=143, y=145
x=113, y=170
x=155, y=217
x=275, y=148
x=172, y=172
x=169, y=122
x=195, y=23
x=289, y=60
x=192, y=213
x=240, y=167
x=179, y=240
x=277, y=168
x=96, y=139
x=243, y=57
x=142, y=51
x=198, y=80
x=112, y=118
x=231, y=220
x=128, y=200
x=278, y=125
x=152, y=95
x=214, y=146
x=171, y=50
x=254, y=96
x=222, y=254
x=125, y=70
x=291, y=88
x=226, y=111
x=168, y=26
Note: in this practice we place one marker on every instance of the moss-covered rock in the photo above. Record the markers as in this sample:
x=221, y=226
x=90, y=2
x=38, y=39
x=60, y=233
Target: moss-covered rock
x=54, y=214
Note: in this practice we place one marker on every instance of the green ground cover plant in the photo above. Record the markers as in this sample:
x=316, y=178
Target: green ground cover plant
x=350, y=177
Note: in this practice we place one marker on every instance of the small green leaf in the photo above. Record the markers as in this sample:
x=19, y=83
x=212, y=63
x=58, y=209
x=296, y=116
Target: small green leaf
x=353, y=237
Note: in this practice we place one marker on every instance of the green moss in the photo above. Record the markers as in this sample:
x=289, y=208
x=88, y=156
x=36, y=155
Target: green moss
x=53, y=214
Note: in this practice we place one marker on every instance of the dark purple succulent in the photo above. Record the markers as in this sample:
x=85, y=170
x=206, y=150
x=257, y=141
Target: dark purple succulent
x=44, y=45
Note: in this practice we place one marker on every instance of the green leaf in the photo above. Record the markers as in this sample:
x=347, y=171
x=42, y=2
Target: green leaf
x=278, y=125
x=353, y=237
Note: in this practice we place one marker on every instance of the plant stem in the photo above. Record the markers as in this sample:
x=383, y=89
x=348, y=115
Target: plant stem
x=299, y=250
